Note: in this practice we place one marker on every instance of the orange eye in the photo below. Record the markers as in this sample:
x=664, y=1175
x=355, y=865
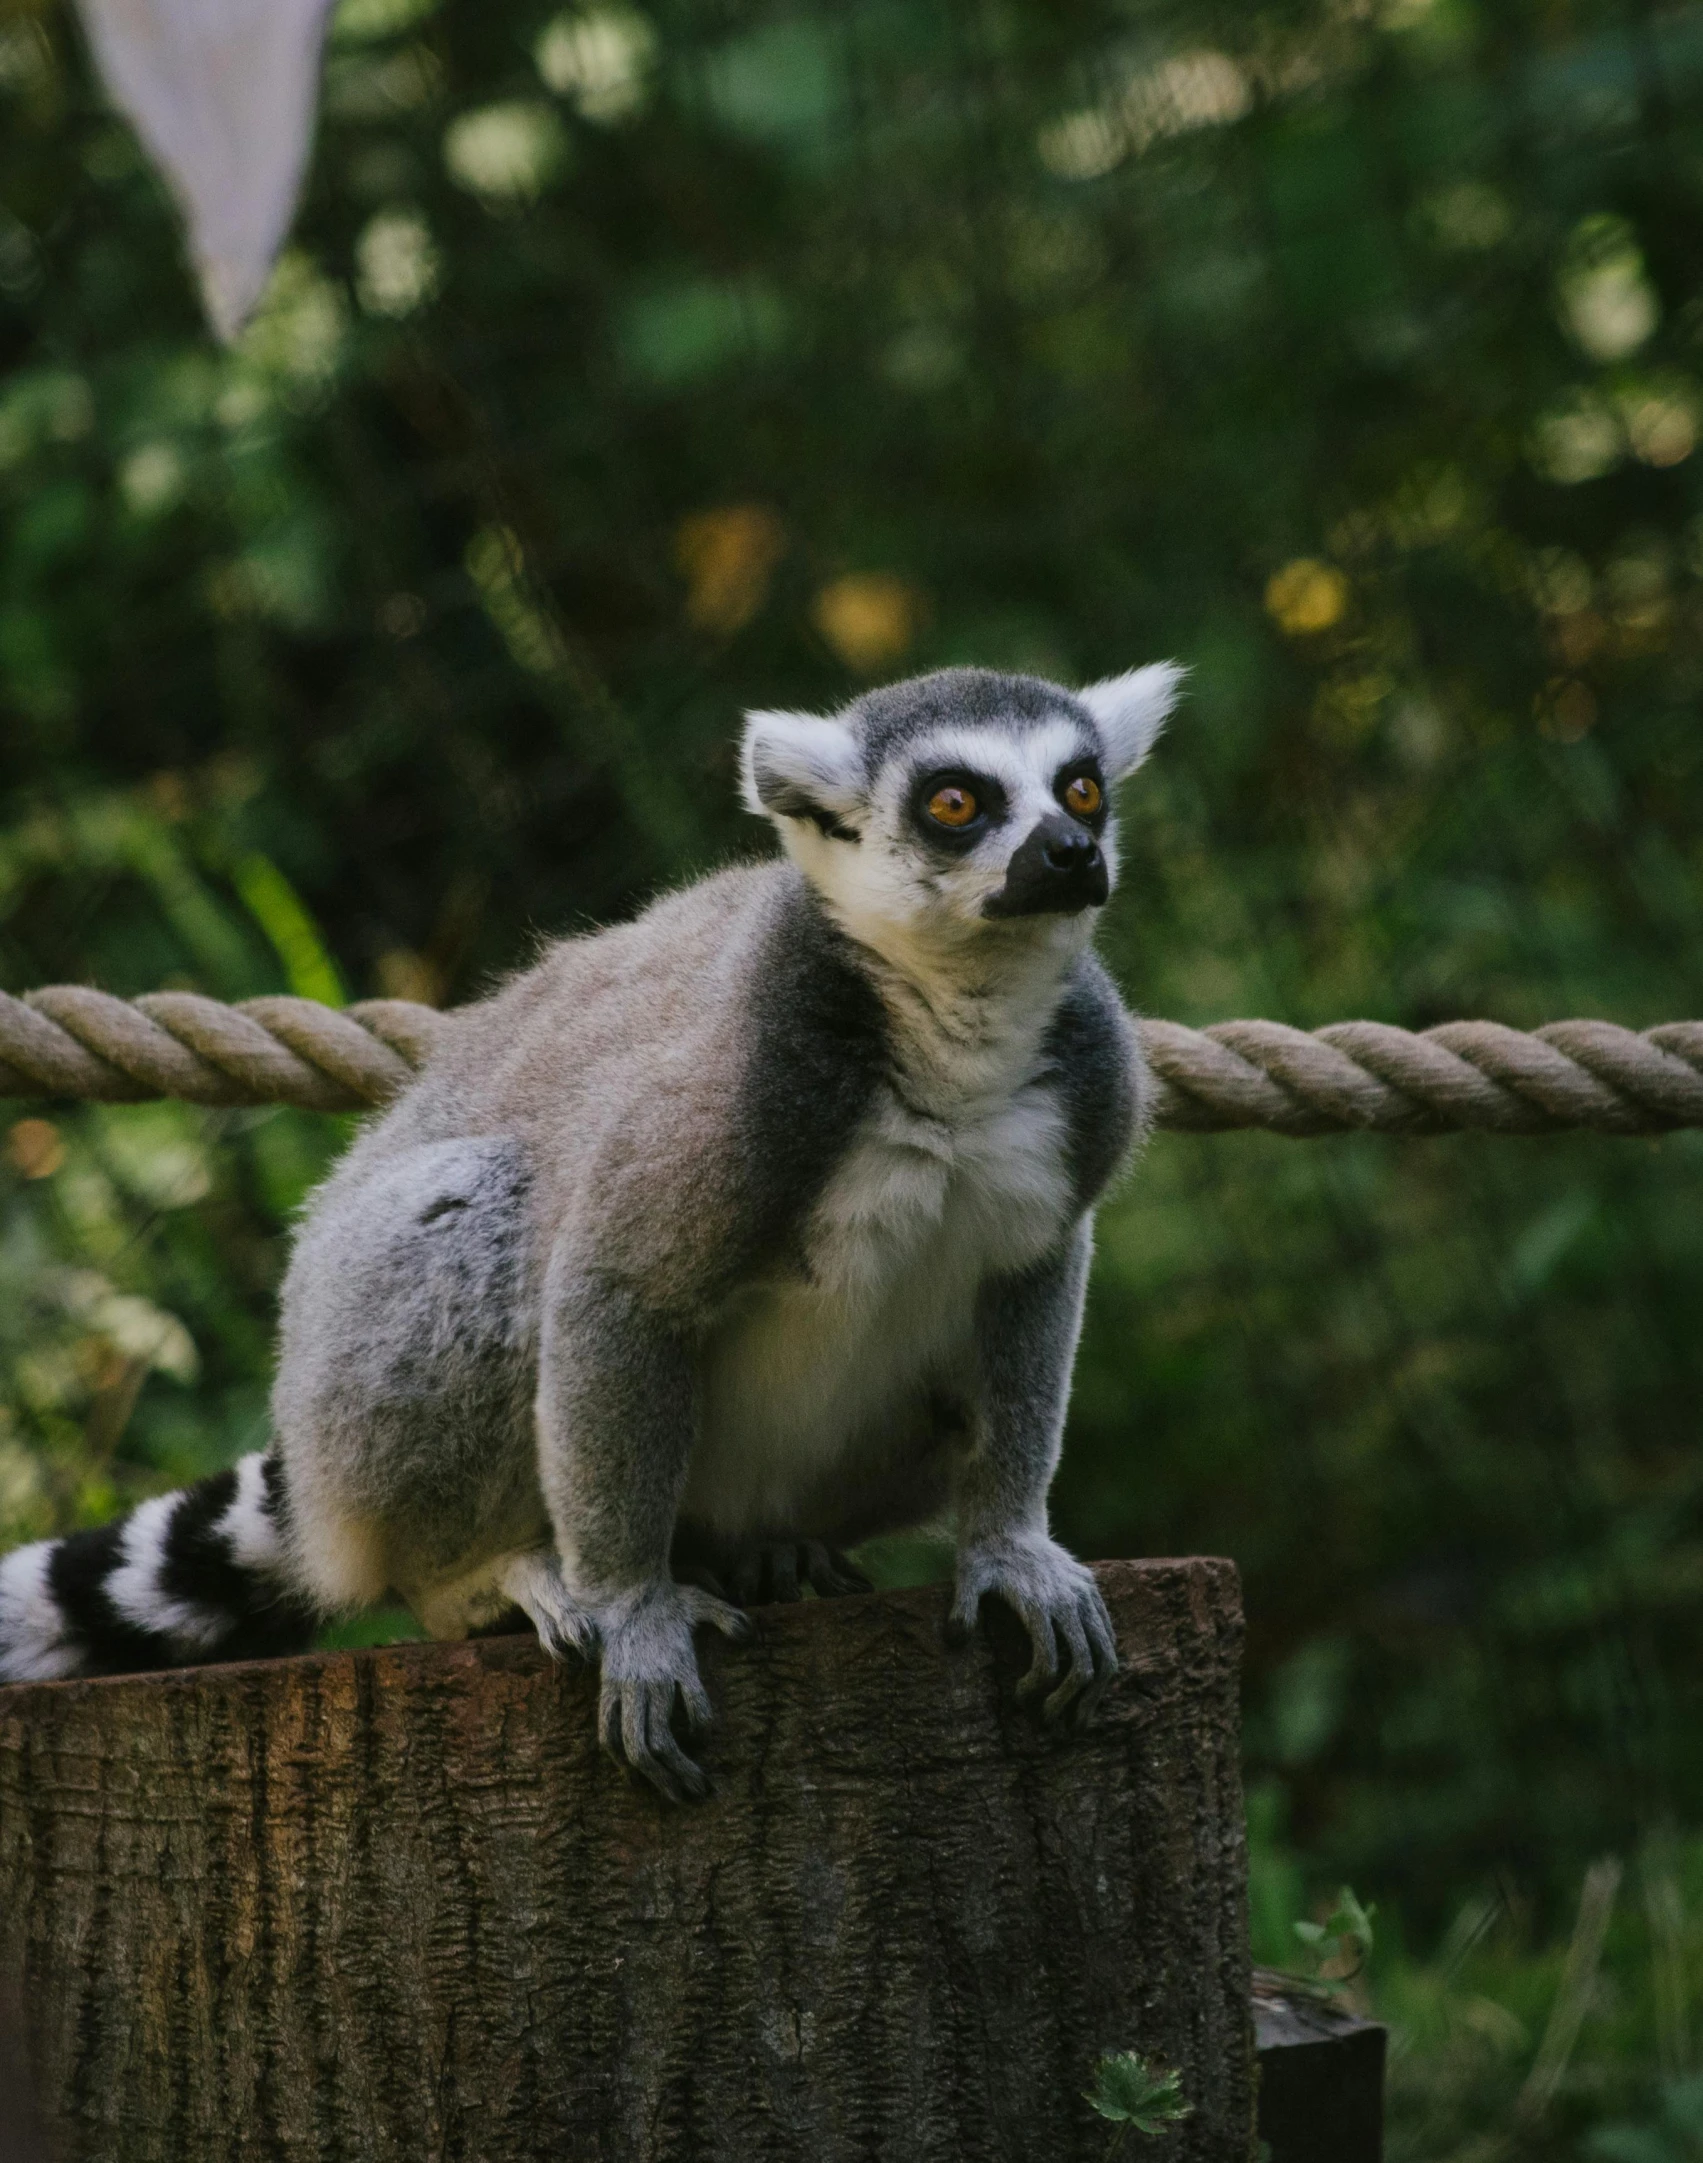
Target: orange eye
x=1082, y=796
x=952, y=806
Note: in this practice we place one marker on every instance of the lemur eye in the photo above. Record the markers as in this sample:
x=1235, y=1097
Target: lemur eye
x=953, y=806
x=1082, y=796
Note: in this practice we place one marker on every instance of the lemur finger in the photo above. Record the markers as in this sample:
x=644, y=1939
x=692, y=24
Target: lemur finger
x=695, y=1703
x=681, y=1778
x=721, y=1615
x=830, y=1574
x=688, y=1781
x=1079, y=1673
x=1097, y=1625
x=783, y=1573
x=648, y=1744
x=859, y=1579
x=1102, y=1637
x=565, y=1628
x=745, y=1579
x=1088, y=1704
x=609, y=1721
x=662, y=1761
x=568, y=1637
x=635, y=1737
x=966, y=1607
x=1043, y=1669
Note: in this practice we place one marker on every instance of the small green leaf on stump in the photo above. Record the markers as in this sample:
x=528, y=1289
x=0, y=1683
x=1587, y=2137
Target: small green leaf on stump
x=1137, y=2096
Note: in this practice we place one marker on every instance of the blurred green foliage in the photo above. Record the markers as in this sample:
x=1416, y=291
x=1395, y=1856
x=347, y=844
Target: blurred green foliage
x=627, y=367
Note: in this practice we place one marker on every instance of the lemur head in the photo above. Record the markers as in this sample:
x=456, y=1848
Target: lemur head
x=960, y=804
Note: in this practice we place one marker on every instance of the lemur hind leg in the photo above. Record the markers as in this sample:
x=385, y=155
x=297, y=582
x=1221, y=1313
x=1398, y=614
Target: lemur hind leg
x=403, y=1404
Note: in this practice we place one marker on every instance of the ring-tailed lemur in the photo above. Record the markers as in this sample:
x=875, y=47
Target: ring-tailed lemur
x=705, y=1248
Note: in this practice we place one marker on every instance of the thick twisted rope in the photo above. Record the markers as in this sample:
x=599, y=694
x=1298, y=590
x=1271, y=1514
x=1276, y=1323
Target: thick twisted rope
x=1356, y=1076
x=1473, y=1075
x=67, y=1041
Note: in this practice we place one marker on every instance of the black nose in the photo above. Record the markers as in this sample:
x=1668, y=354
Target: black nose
x=1055, y=871
x=1067, y=849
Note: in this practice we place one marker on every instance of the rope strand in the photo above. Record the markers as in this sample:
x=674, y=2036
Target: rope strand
x=1354, y=1077
x=68, y=1041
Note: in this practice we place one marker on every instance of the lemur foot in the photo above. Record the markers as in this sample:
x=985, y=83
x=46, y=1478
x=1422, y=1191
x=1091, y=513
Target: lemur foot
x=564, y=1625
x=1059, y=1605
x=649, y=1664
x=780, y=1570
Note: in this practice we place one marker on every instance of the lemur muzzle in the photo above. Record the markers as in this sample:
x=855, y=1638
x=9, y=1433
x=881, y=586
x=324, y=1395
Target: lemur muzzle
x=1057, y=870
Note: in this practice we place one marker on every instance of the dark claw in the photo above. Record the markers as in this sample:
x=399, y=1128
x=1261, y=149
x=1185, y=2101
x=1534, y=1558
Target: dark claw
x=695, y=1708
x=1036, y=1677
x=1093, y=1663
x=634, y=1728
x=667, y=1767
x=1065, y=1703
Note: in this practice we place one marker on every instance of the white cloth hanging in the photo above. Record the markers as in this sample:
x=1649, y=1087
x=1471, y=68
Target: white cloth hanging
x=222, y=94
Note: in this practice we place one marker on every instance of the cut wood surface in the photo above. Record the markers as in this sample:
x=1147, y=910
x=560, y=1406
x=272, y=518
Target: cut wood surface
x=1321, y=2089
x=391, y=1906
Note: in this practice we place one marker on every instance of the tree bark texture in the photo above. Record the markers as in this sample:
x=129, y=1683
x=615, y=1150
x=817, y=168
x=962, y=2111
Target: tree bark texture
x=391, y=1906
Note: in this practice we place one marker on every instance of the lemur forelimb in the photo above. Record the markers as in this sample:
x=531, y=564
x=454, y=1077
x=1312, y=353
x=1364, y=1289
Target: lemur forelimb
x=706, y=1248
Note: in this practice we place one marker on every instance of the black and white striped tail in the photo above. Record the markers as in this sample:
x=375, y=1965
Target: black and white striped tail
x=198, y=1575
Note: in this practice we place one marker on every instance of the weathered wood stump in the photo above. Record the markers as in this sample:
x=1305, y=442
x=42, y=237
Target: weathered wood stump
x=379, y=1907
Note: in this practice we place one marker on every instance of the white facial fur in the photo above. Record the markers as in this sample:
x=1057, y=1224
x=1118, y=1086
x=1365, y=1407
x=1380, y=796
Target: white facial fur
x=887, y=887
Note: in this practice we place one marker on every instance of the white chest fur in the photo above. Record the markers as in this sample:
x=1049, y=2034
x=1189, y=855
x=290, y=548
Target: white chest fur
x=920, y=1211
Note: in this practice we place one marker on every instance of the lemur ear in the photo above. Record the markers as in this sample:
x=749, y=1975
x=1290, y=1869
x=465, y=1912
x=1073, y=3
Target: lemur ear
x=802, y=766
x=1130, y=710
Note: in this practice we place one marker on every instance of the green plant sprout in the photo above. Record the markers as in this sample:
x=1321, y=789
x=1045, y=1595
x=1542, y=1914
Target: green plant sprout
x=1342, y=1944
x=1136, y=2095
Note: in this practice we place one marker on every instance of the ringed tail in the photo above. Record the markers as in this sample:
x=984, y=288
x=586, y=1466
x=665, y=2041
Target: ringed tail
x=202, y=1574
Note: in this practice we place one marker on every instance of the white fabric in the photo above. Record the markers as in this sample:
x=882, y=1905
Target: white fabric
x=222, y=93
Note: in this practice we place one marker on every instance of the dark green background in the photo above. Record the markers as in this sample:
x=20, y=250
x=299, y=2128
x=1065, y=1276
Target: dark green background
x=356, y=658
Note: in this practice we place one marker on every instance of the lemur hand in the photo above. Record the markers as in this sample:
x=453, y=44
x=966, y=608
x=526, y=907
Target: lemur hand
x=1059, y=1605
x=648, y=1663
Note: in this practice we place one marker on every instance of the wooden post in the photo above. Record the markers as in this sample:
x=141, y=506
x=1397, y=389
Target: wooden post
x=383, y=1907
x=1321, y=2067
x=21, y=2138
